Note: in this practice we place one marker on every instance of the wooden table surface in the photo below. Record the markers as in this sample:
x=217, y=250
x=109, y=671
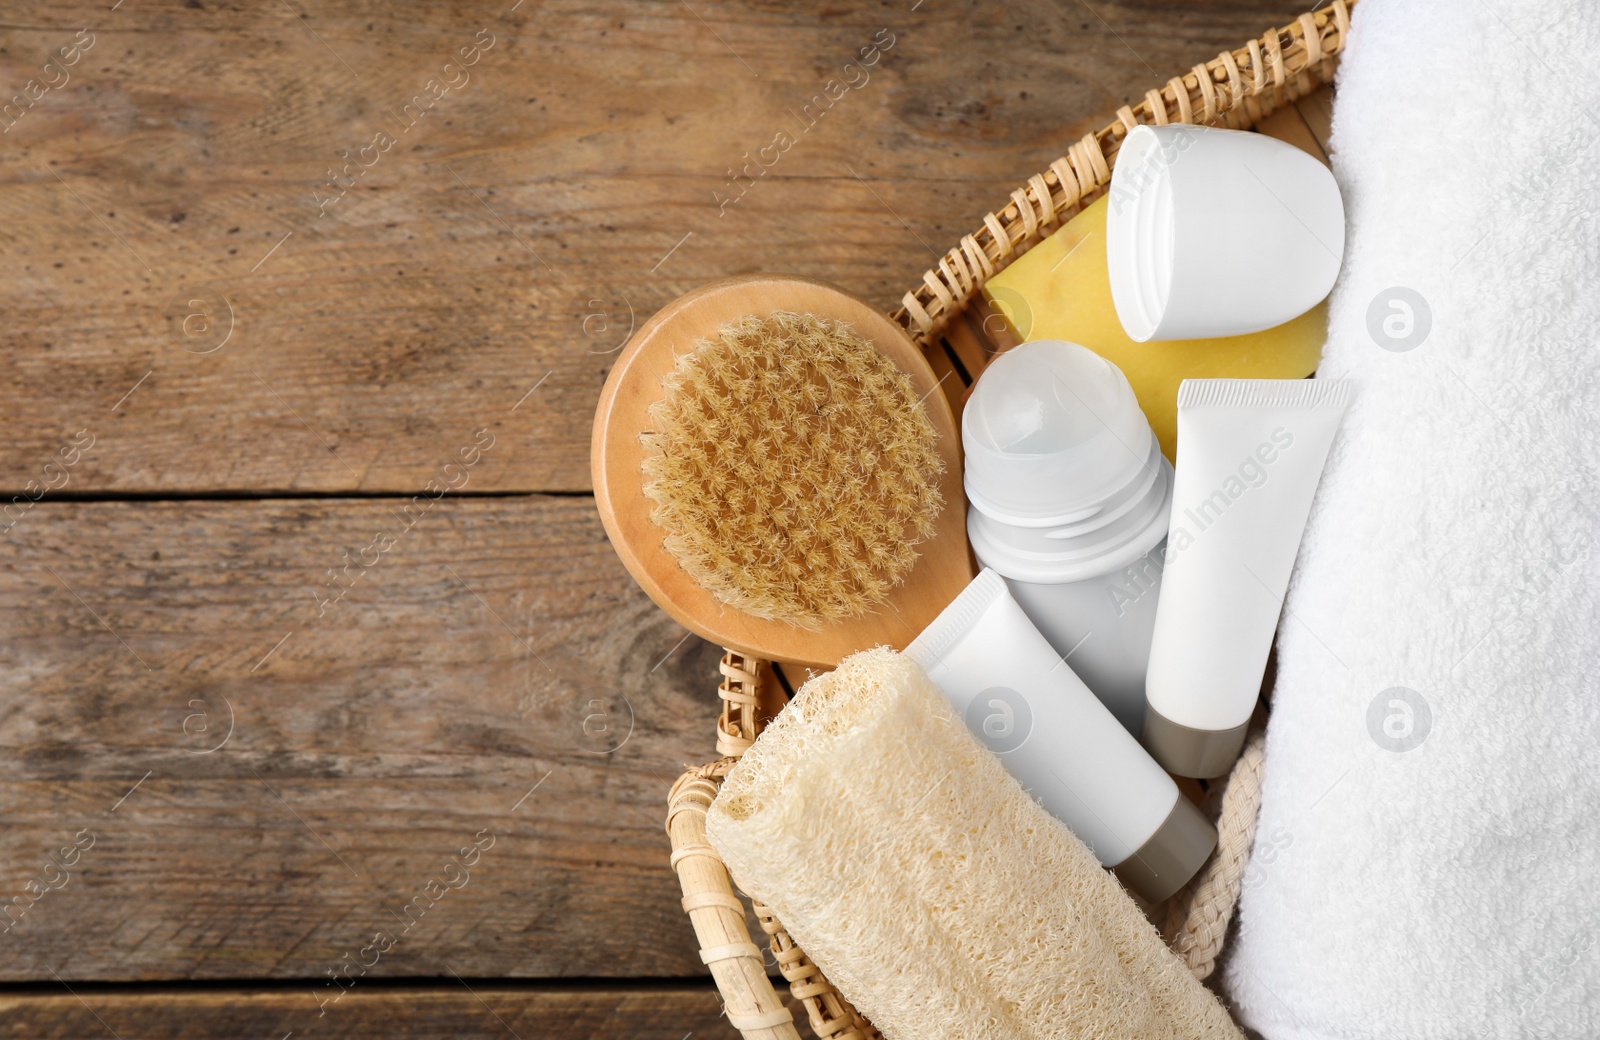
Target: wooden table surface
x=303, y=592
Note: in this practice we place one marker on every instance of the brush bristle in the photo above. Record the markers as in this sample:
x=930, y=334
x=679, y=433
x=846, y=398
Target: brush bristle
x=793, y=468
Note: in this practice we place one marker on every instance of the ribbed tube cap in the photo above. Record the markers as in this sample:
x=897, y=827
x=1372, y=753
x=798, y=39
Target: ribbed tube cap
x=1186, y=751
x=1171, y=856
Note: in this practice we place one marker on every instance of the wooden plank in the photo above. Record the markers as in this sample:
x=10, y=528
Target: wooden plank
x=261, y=785
x=1287, y=124
x=572, y=180
x=449, y=1011
x=950, y=382
x=1316, y=108
x=971, y=344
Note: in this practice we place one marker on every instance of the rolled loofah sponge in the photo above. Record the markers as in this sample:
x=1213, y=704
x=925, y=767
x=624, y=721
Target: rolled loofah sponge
x=926, y=883
x=793, y=468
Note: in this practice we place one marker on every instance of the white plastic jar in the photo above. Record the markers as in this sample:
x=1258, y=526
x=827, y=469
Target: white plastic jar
x=1070, y=497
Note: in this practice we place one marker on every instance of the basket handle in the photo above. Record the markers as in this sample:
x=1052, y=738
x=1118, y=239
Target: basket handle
x=715, y=909
x=737, y=964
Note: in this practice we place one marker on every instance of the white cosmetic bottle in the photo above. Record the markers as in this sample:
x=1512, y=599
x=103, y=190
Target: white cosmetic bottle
x=1070, y=497
x=1010, y=687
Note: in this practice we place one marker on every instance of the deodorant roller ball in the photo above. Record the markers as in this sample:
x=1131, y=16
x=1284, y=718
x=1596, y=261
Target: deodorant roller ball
x=792, y=468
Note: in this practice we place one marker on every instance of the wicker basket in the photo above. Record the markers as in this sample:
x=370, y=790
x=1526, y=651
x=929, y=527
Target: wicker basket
x=1236, y=89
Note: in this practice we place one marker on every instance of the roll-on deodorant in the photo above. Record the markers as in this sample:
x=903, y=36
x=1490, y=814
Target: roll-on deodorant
x=1069, y=498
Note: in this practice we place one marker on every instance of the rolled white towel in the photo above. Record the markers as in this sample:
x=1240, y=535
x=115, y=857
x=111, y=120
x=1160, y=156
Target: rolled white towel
x=1429, y=842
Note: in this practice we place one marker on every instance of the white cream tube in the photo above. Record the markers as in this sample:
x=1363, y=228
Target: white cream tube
x=1022, y=701
x=1250, y=454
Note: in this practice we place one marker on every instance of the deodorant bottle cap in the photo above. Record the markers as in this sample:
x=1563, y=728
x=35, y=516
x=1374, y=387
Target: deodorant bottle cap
x=1067, y=482
x=1052, y=432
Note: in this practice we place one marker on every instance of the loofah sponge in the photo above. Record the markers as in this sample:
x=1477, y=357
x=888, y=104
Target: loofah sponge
x=929, y=887
x=793, y=469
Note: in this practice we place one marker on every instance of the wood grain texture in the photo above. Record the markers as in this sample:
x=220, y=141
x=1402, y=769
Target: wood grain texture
x=498, y=643
x=480, y=275
x=468, y=1011
x=565, y=188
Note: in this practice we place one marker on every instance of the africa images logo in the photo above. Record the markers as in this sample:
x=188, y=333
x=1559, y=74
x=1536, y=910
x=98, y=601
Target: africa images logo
x=1001, y=718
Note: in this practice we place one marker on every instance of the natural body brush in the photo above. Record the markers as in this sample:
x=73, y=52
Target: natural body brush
x=776, y=467
x=793, y=468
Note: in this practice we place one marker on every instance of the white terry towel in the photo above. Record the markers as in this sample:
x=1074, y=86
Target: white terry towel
x=1452, y=889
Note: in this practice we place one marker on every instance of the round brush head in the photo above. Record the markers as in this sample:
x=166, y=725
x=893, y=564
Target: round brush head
x=793, y=469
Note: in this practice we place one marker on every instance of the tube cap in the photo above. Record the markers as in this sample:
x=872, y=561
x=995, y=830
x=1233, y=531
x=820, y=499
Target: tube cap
x=1171, y=856
x=1186, y=751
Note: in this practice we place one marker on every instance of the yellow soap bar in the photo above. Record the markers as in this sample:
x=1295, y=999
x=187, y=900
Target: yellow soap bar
x=1059, y=289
